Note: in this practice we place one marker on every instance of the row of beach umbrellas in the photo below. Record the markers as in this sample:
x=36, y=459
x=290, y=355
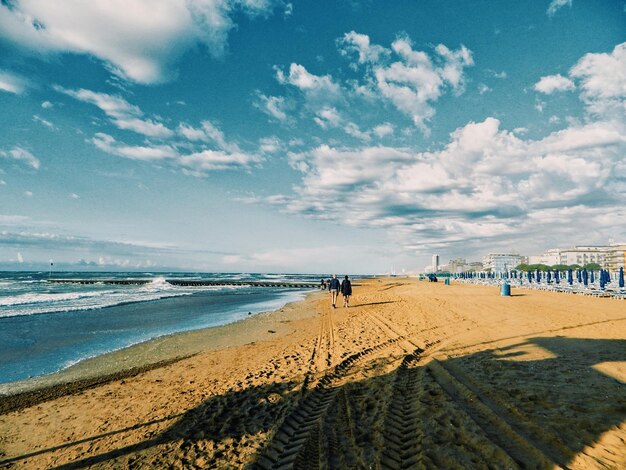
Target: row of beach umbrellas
x=583, y=276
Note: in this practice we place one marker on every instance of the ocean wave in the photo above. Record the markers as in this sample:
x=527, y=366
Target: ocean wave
x=70, y=303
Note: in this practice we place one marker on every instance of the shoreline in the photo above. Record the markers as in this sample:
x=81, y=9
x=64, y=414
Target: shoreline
x=141, y=357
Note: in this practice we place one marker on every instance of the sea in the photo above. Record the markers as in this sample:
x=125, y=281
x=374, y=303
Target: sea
x=46, y=327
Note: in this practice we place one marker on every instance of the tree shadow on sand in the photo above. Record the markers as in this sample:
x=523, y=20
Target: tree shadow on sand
x=543, y=402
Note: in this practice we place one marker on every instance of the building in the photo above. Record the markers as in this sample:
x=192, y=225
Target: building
x=583, y=255
x=501, y=262
x=611, y=256
x=616, y=257
x=435, y=263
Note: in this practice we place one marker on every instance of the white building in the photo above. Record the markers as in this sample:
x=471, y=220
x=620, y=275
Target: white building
x=435, y=263
x=501, y=262
x=608, y=256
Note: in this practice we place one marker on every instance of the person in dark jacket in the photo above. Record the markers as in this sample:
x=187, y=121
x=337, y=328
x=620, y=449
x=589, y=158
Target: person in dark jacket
x=333, y=287
x=346, y=290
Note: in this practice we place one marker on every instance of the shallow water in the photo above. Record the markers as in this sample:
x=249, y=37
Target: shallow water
x=47, y=327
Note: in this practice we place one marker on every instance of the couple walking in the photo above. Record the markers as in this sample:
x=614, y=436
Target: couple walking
x=345, y=287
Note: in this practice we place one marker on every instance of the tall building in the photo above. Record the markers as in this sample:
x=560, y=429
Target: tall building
x=435, y=264
x=501, y=262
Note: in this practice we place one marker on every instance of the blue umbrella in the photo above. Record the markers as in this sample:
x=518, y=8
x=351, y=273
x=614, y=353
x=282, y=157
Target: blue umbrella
x=570, y=278
x=579, y=276
x=585, y=277
x=602, y=279
x=530, y=277
x=620, y=280
x=591, y=278
x=557, y=277
x=538, y=276
x=548, y=277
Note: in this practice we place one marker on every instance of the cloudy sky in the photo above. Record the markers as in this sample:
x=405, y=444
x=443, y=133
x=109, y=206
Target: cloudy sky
x=343, y=135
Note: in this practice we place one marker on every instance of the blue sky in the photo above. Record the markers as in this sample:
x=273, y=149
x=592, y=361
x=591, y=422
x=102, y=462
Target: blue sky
x=262, y=135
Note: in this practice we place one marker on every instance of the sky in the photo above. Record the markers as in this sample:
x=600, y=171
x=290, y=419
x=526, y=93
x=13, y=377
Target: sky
x=307, y=136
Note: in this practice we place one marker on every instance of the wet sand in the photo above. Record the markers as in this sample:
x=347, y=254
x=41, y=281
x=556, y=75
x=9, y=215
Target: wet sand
x=413, y=375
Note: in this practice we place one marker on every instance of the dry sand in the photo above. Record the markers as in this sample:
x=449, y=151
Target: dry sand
x=414, y=375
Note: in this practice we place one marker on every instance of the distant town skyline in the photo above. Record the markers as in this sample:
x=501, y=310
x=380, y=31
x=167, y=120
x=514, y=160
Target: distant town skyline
x=278, y=136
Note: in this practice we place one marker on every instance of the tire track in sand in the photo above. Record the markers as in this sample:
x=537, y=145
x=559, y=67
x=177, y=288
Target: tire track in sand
x=296, y=443
x=497, y=425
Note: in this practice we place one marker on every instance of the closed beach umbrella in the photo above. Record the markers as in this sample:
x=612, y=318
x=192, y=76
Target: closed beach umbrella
x=620, y=279
x=570, y=278
x=585, y=277
x=602, y=279
x=592, y=278
x=530, y=277
x=557, y=278
x=579, y=276
x=538, y=276
x=548, y=277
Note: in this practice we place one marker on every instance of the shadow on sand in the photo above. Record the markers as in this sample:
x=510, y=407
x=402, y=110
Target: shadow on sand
x=530, y=405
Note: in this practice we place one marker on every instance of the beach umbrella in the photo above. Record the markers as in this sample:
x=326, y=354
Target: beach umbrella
x=620, y=279
x=548, y=277
x=585, y=277
x=570, y=278
x=579, y=276
x=592, y=278
x=538, y=276
x=530, y=277
x=602, y=279
x=557, y=277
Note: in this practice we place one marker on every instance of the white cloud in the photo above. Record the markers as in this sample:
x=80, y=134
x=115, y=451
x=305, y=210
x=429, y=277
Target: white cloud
x=360, y=43
x=315, y=87
x=486, y=182
x=121, y=113
x=327, y=117
x=3, y=183
x=602, y=79
x=47, y=105
x=273, y=106
x=383, y=130
x=74, y=196
x=208, y=132
x=20, y=258
x=414, y=82
x=22, y=155
x=482, y=89
x=552, y=83
x=12, y=83
x=196, y=163
x=43, y=122
x=138, y=40
x=556, y=5
x=108, y=144
x=28, y=193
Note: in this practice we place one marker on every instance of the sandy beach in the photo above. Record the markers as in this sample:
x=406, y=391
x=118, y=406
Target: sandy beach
x=412, y=375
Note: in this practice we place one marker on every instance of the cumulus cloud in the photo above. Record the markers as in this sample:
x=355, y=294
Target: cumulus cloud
x=121, y=113
x=413, y=82
x=21, y=155
x=486, y=182
x=315, y=87
x=138, y=40
x=274, y=106
x=556, y=5
x=12, y=83
x=602, y=79
x=552, y=83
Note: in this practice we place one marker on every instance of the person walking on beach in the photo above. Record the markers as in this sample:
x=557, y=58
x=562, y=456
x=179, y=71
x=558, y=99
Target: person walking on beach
x=346, y=290
x=333, y=287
